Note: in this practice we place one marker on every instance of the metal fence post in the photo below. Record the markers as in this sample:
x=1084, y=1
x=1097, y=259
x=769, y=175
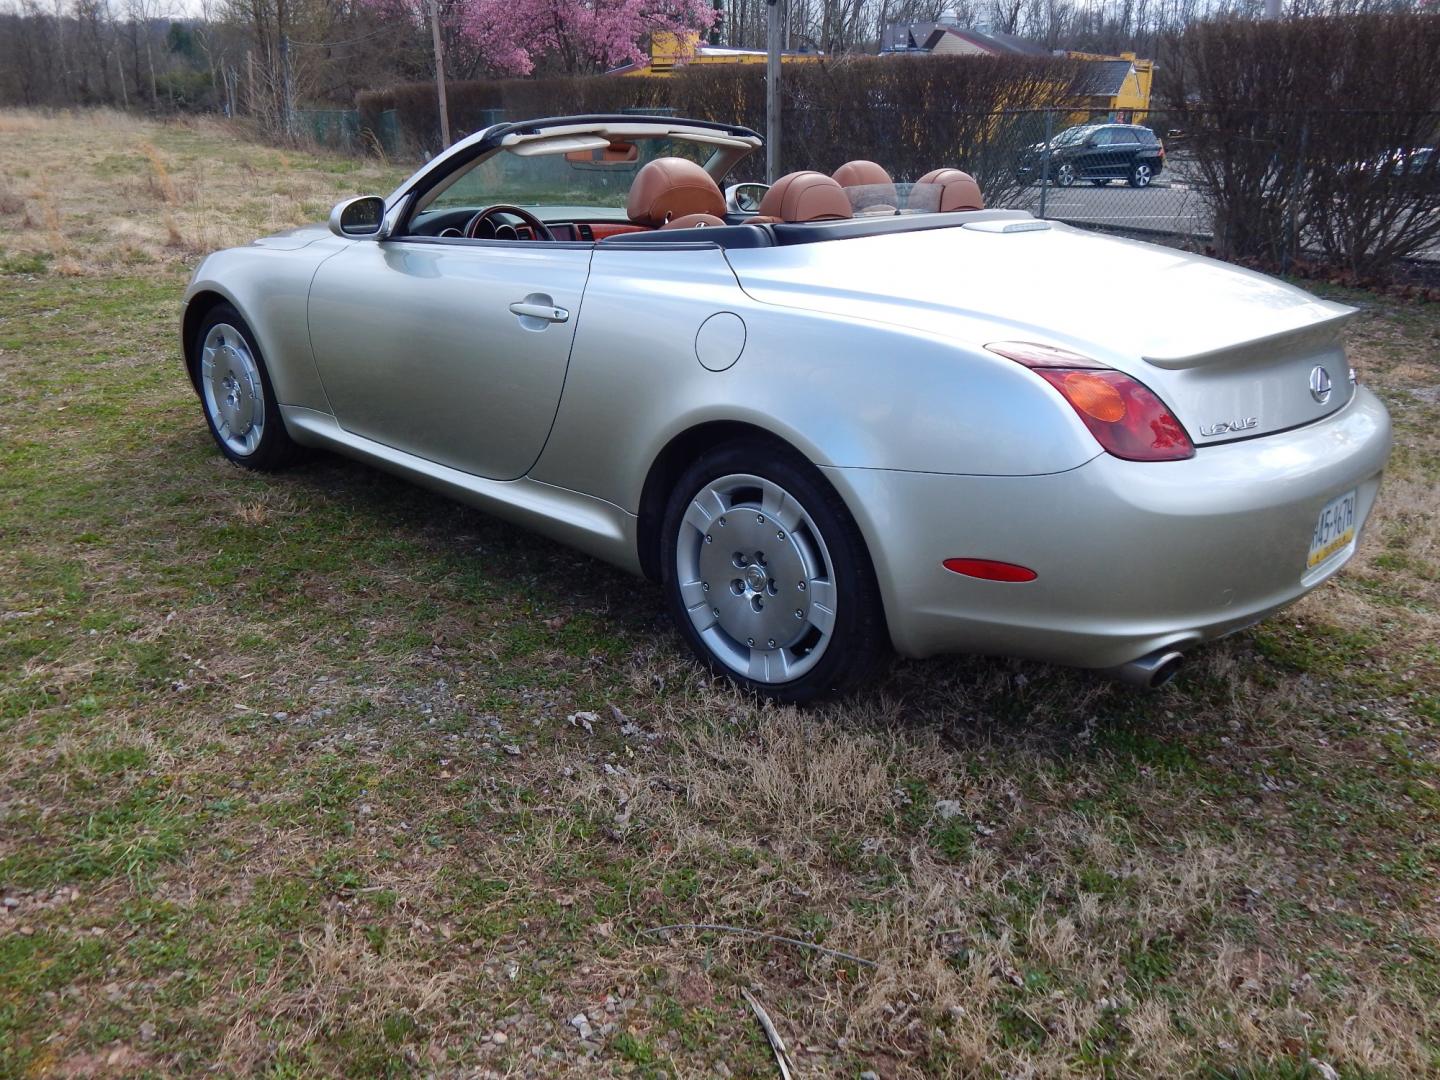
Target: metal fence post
x=773, y=34
x=1045, y=159
x=1292, y=240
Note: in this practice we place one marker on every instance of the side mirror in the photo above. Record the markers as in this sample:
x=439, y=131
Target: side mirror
x=358, y=217
x=745, y=198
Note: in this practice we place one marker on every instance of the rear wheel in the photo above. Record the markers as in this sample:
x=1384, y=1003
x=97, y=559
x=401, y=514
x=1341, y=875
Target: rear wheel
x=235, y=393
x=1141, y=175
x=767, y=576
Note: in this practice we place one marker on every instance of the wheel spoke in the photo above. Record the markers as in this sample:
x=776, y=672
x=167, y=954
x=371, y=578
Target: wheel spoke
x=822, y=618
x=778, y=506
x=768, y=666
x=705, y=508
x=821, y=592
x=692, y=594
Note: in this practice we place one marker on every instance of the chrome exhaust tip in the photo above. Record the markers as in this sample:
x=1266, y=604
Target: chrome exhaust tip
x=1153, y=671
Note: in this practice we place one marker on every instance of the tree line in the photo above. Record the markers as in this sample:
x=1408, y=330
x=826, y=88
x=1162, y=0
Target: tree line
x=262, y=58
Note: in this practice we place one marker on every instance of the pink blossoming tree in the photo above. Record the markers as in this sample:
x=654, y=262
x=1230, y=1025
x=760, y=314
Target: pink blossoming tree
x=520, y=37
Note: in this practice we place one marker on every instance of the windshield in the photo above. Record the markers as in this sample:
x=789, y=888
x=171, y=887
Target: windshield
x=1071, y=136
x=590, y=178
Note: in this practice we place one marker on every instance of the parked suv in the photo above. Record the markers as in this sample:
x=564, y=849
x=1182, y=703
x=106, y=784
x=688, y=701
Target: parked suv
x=1098, y=153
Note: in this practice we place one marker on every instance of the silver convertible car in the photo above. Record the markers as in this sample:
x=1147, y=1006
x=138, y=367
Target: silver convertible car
x=834, y=417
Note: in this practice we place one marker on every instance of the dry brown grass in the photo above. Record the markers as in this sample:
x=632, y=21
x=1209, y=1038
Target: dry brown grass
x=115, y=193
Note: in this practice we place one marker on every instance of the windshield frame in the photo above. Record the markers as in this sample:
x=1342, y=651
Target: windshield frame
x=734, y=142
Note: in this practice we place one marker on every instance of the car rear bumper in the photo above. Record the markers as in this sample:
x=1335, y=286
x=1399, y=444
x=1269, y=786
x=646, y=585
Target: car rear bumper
x=1131, y=557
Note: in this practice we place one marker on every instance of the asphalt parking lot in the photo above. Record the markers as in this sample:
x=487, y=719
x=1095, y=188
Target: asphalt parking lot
x=1170, y=204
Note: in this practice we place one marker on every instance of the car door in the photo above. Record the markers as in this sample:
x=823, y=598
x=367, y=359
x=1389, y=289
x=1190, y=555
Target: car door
x=452, y=350
x=1114, y=155
x=1092, y=159
x=1127, y=150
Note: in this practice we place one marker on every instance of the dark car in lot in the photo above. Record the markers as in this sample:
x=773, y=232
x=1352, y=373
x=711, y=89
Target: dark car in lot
x=1098, y=153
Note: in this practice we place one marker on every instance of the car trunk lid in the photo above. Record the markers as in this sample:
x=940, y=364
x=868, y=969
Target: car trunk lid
x=1235, y=354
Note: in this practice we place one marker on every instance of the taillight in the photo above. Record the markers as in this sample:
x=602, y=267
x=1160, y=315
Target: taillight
x=1126, y=418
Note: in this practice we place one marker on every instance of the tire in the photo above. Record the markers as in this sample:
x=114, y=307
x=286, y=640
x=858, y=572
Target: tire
x=1140, y=175
x=754, y=532
x=235, y=393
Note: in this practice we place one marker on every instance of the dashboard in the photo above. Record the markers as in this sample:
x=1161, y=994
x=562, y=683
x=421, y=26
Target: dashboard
x=450, y=224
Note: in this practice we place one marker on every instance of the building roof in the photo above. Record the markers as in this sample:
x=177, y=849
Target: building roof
x=900, y=37
x=1103, y=78
x=993, y=41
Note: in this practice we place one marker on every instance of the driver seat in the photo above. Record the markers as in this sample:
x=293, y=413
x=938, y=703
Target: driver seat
x=670, y=188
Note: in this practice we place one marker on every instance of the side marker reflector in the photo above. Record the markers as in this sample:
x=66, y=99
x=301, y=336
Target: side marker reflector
x=990, y=570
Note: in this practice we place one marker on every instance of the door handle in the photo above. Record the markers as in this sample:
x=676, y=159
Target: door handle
x=529, y=309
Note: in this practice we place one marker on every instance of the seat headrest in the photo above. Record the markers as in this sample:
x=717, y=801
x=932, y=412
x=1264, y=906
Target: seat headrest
x=694, y=221
x=868, y=187
x=861, y=173
x=805, y=196
x=958, y=190
x=669, y=188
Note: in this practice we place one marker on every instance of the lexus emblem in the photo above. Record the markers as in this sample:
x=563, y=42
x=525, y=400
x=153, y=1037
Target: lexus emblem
x=1320, y=384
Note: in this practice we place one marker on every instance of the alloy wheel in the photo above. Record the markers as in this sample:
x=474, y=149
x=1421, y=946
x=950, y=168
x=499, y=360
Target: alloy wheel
x=755, y=578
x=230, y=383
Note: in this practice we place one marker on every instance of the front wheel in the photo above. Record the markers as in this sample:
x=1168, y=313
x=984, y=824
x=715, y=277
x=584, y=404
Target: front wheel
x=1141, y=175
x=236, y=394
x=767, y=576
x=1065, y=175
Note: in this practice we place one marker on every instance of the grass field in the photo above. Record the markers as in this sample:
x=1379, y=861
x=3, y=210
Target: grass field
x=316, y=773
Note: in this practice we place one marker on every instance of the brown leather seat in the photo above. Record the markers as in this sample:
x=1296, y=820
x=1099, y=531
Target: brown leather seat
x=694, y=221
x=958, y=190
x=804, y=196
x=879, y=194
x=669, y=188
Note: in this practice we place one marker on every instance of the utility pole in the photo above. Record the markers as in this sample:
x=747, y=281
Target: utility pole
x=440, y=75
x=287, y=85
x=773, y=32
x=124, y=97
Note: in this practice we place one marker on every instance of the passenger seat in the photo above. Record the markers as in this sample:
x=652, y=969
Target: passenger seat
x=803, y=196
x=869, y=187
x=958, y=190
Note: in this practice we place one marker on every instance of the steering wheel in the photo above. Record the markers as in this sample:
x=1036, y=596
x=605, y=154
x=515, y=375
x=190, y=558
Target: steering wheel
x=538, y=227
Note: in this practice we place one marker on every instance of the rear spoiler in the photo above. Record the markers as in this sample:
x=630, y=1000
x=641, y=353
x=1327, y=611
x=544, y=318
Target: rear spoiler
x=1322, y=323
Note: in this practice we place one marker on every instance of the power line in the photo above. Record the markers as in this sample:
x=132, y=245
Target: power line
x=346, y=41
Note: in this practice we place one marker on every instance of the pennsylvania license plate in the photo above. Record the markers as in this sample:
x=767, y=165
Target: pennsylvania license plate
x=1334, y=530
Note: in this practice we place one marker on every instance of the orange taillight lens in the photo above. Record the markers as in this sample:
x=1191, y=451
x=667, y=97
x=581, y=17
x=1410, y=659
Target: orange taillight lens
x=1092, y=395
x=1126, y=417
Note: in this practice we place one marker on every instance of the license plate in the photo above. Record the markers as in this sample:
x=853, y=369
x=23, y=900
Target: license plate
x=1334, y=529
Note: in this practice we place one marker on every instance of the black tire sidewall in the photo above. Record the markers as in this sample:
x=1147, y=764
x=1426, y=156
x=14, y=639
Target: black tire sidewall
x=859, y=643
x=276, y=447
